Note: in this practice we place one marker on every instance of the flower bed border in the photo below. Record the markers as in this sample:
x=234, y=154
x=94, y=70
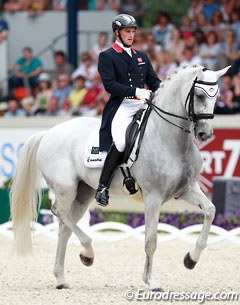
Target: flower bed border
x=181, y=220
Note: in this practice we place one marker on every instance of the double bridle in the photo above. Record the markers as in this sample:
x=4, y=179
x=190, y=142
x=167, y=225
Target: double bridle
x=192, y=116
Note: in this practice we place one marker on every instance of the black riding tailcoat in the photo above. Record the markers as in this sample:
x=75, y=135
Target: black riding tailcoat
x=121, y=75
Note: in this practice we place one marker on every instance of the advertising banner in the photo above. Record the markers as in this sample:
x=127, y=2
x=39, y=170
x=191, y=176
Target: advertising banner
x=220, y=156
x=11, y=143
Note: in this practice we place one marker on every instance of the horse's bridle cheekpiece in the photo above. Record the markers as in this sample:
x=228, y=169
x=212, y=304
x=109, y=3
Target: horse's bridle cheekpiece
x=194, y=117
x=209, y=88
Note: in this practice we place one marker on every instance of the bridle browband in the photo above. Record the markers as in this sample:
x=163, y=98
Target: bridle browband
x=192, y=116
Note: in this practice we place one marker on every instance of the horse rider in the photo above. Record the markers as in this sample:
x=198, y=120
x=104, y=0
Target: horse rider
x=124, y=72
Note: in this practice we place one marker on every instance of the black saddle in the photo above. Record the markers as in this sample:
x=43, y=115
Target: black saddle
x=136, y=127
x=135, y=130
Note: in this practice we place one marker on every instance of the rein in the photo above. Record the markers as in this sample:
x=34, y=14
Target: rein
x=158, y=110
x=192, y=116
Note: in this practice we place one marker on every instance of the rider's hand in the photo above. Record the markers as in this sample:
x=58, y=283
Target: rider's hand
x=143, y=94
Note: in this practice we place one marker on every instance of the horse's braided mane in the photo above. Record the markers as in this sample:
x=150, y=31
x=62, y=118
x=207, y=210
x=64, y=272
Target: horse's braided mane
x=173, y=73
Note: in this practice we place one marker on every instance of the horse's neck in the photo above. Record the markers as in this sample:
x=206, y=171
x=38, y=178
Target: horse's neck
x=169, y=98
x=161, y=133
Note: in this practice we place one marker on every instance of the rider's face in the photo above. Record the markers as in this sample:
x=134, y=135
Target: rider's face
x=127, y=35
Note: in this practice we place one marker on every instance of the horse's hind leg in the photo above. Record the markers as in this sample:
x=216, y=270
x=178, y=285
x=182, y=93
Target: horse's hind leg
x=85, y=195
x=58, y=270
x=195, y=196
x=77, y=210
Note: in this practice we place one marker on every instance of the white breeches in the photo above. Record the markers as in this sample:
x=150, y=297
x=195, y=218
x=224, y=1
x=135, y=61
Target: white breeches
x=122, y=119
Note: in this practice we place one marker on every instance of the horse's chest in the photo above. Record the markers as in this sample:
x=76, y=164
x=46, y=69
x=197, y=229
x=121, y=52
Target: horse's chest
x=172, y=172
x=184, y=176
x=177, y=178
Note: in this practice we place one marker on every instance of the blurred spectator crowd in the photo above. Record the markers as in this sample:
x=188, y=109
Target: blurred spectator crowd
x=208, y=35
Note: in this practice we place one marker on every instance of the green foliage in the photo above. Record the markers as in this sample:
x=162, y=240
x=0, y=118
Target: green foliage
x=46, y=202
x=7, y=183
x=176, y=9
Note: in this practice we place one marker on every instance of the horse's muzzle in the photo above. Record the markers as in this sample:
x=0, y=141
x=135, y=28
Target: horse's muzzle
x=203, y=131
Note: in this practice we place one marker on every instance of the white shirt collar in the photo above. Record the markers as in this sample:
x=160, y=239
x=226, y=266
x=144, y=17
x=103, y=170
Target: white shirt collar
x=128, y=50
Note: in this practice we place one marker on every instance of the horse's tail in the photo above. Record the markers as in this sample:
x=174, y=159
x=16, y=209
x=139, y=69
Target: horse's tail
x=25, y=195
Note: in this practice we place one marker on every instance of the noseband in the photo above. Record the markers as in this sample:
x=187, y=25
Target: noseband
x=192, y=116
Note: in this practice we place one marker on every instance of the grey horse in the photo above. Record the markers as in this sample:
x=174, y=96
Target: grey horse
x=167, y=167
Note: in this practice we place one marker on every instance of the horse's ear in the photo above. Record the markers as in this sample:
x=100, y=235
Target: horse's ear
x=220, y=73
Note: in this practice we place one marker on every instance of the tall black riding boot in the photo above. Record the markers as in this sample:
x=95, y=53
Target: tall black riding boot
x=112, y=160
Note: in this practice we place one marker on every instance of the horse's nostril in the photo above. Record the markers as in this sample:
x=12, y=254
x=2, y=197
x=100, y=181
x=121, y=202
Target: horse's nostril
x=202, y=134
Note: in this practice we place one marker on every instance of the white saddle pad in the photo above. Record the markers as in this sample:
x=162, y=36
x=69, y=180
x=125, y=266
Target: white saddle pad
x=92, y=156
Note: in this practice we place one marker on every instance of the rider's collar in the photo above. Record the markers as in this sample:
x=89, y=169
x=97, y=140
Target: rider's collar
x=119, y=47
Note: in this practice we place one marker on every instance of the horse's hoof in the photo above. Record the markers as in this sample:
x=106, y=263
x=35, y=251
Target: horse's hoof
x=188, y=262
x=157, y=289
x=87, y=261
x=62, y=286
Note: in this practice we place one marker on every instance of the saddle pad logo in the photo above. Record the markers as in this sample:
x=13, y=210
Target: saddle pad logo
x=95, y=150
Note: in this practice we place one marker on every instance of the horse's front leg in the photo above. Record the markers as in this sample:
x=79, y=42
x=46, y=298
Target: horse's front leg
x=152, y=211
x=195, y=196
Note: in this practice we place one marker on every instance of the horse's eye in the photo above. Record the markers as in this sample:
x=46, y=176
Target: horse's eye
x=200, y=96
